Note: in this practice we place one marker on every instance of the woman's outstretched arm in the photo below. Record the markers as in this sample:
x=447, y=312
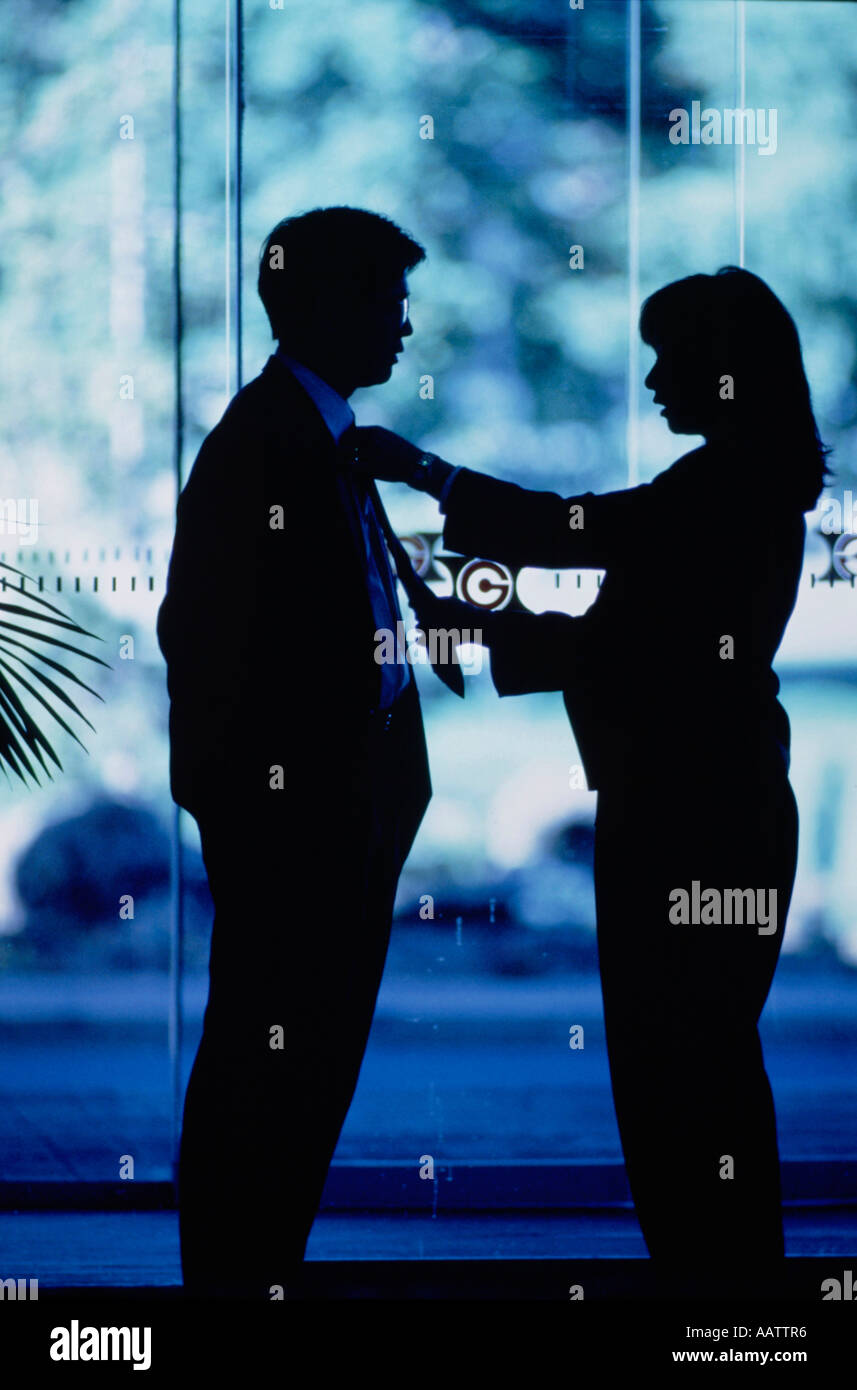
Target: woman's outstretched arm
x=519, y=526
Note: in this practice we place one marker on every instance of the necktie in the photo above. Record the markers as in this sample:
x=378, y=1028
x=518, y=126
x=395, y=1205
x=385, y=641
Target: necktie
x=420, y=596
x=367, y=518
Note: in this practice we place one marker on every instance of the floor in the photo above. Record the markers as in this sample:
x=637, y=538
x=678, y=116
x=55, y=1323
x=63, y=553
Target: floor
x=140, y=1249
x=464, y=1069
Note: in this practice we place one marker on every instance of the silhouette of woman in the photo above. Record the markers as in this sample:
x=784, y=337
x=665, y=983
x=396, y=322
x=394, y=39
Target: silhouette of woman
x=669, y=686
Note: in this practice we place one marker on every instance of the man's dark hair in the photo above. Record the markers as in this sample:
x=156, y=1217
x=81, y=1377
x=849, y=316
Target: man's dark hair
x=347, y=253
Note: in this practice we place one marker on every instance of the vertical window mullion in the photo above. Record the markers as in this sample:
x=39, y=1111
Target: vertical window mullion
x=632, y=100
x=740, y=29
x=176, y=867
x=233, y=121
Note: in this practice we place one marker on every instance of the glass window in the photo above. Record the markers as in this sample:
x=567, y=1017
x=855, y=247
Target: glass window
x=86, y=401
x=533, y=158
x=529, y=149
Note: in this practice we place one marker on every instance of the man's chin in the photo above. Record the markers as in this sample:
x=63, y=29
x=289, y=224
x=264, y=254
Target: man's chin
x=378, y=376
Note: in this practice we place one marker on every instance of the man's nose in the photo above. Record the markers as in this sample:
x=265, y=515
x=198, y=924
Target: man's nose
x=407, y=328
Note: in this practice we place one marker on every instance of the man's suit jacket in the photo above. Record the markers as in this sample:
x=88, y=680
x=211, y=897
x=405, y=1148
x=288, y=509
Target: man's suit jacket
x=709, y=549
x=267, y=626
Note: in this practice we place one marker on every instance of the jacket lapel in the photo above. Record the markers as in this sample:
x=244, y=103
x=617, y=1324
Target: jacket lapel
x=302, y=427
x=302, y=431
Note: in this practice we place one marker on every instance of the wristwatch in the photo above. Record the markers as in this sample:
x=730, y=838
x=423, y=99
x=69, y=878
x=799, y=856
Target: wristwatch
x=422, y=475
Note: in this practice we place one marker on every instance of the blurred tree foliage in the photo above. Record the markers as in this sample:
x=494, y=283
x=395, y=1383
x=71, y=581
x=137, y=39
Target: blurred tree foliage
x=528, y=157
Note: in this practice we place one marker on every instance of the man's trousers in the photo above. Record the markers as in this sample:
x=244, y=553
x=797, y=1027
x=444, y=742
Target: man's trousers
x=303, y=897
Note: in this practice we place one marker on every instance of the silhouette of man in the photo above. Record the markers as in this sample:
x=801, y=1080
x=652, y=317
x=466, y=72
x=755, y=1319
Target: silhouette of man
x=301, y=757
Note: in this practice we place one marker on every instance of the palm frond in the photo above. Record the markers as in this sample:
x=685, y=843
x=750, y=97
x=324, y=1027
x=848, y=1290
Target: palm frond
x=24, y=747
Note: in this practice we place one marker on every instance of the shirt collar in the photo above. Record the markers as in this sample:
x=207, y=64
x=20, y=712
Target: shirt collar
x=333, y=408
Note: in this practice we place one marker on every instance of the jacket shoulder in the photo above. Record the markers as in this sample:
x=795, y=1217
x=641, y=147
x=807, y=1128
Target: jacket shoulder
x=271, y=413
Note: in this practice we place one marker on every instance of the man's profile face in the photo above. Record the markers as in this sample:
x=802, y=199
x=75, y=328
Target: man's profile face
x=377, y=326
x=353, y=336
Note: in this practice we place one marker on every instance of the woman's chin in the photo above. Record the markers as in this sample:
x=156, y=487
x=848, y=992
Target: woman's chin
x=679, y=426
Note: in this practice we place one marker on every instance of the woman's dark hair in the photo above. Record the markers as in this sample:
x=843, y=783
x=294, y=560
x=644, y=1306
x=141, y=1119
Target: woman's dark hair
x=750, y=335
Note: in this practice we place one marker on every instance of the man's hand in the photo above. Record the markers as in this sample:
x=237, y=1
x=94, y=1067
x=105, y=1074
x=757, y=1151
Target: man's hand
x=383, y=454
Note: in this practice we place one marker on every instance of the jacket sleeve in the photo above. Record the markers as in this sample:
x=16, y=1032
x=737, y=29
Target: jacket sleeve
x=533, y=652
x=485, y=516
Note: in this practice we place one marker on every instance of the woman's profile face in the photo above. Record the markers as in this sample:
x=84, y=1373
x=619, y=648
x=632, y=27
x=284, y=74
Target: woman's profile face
x=685, y=385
